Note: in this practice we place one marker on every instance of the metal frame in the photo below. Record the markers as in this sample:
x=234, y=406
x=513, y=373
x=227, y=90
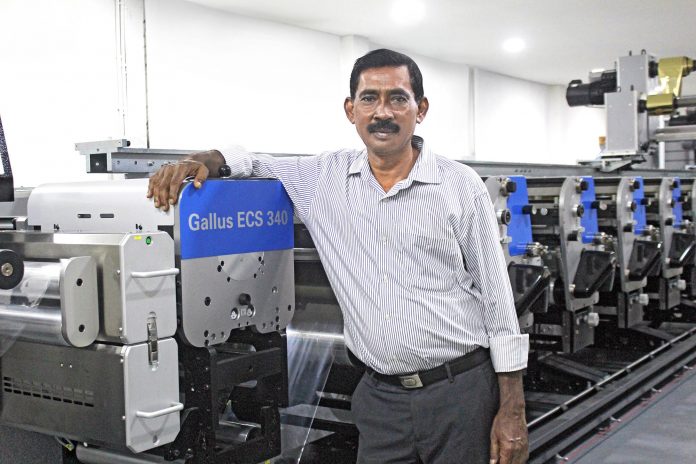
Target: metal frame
x=116, y=157
x=210, y=376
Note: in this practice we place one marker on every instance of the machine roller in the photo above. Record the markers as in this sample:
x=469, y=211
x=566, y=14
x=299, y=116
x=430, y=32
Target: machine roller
x=55, y=303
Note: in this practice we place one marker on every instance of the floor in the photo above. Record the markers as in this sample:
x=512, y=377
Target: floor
x=20, y=447
x=660, y=430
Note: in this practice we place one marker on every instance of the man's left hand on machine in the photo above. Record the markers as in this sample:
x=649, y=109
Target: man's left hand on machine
x=165, y=184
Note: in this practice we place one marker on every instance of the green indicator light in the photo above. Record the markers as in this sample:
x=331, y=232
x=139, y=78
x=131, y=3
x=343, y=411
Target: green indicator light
x=148, y=240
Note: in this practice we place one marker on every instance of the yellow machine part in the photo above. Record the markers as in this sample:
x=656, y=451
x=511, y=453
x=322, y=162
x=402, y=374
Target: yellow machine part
x=671, y=71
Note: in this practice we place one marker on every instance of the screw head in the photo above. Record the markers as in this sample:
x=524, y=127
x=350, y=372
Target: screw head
x=7, y=269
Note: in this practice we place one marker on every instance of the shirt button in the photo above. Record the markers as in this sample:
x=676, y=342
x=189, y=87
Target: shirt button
x=384, y=239
x=385, y=278
x=387, y=316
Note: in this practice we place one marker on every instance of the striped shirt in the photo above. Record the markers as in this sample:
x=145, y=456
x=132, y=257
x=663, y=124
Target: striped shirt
x=418, y=271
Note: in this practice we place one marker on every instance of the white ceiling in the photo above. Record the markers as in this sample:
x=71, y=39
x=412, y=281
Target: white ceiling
x=565, y=38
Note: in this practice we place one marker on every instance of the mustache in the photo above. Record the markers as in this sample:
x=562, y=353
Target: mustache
x=383, y=126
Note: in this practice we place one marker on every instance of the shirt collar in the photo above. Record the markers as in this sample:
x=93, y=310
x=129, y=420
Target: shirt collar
x=425, y=170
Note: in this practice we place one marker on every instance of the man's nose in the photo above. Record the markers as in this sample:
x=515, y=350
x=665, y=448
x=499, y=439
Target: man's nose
x=383, y=111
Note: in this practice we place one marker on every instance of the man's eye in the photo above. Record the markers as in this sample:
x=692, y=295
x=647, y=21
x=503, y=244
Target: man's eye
x=399, y=99
x=367, y=98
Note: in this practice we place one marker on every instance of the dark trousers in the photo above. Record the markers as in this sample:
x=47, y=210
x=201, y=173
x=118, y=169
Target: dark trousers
x=443, y=423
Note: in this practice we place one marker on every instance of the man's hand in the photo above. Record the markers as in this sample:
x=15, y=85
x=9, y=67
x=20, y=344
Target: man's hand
x=509, y=444
x=165, y=184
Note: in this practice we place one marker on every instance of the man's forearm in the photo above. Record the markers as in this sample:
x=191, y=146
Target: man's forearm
x=511, y=393
x=509, y=439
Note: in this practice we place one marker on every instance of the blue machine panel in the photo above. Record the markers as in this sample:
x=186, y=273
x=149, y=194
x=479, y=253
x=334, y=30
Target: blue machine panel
x=589, y=219
x=520, y=227
x=676, y=195
x=234, y=216
x=639, y=214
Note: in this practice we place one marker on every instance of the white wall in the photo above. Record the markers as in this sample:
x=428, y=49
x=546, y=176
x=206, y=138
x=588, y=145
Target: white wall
x=216, y=79
x=528, y=122
x=446, y=126
x=572, y=133
x=510, y=118
x=234, y=80
x=57, y=84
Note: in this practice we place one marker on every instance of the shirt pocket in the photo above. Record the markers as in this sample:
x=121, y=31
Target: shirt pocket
x=434, y=261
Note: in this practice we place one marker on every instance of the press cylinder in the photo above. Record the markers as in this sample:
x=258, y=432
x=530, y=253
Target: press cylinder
x=54, y=303
x=318, y=329
x=239, y=432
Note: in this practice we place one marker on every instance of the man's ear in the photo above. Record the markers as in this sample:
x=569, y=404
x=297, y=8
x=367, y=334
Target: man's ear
x=423, y=106
x=348, y=108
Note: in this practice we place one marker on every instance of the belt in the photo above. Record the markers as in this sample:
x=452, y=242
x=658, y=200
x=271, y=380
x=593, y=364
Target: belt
x=425, y=378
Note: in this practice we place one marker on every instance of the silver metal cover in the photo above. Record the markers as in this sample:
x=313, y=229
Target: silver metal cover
x=79, y=300
x=151, y=396
x=571, y=250
x=623, y=122
x=210, y=295
x=104, y=394
x=104, y=207
x=147, y=285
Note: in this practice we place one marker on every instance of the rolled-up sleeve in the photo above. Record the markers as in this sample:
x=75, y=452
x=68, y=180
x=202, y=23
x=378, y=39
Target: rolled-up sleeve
x=298, y=174
x=484, y=260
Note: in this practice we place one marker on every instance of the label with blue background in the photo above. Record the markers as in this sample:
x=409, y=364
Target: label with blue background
x=677, y=209
x=520, y=228
x=226, y=217
x=589, y=218
x=639, y=216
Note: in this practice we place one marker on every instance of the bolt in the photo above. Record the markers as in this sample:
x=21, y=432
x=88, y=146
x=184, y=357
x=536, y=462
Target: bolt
x=7, y=269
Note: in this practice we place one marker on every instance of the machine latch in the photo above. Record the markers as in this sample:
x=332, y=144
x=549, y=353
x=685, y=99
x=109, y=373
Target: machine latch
x=152, y=353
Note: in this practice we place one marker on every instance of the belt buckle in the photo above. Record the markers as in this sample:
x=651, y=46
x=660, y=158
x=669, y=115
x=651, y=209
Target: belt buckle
x=411, y=381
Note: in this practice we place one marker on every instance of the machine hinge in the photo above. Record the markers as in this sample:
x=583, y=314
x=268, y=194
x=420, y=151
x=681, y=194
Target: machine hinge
x=152, y=353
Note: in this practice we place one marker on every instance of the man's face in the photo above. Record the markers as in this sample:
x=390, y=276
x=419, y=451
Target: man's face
x=385, y=111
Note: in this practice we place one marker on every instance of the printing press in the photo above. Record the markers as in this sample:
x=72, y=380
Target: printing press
x=580, y=251
x=210, y=333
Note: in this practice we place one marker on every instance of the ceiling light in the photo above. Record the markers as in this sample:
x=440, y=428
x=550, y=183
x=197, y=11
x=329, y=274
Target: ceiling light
x=514, y=45
x=407, y=12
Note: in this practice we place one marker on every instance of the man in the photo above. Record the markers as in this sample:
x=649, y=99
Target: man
x=410, y=244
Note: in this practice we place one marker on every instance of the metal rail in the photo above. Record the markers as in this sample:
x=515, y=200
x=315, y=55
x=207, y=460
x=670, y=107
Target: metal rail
x=116, y=156
x=567, y=424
